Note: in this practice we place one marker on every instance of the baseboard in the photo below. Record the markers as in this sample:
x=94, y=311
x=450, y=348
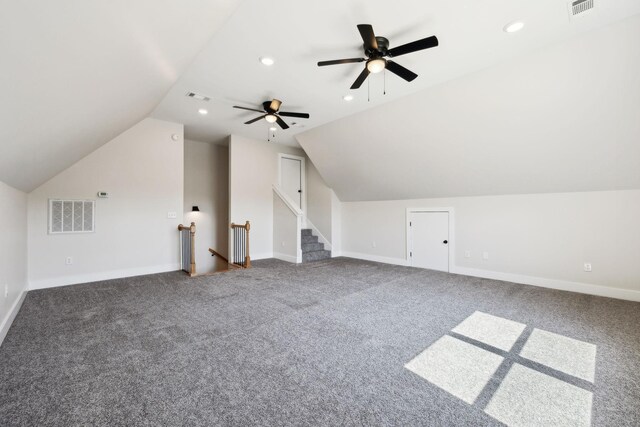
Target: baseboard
x=563, y=285
x=265, y=255
x=285, y=257
x=11, y=315
x=105, y=275
x=375, y=258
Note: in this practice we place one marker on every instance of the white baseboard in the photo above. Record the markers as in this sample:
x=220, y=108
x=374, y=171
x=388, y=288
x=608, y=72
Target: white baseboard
x=563, y=285
x=96, y=277
x=376, y=258
x=11, y=315
x=285, y=257
x=265, y=255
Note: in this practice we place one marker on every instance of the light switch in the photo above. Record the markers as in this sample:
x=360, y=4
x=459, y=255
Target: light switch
x=172, y=215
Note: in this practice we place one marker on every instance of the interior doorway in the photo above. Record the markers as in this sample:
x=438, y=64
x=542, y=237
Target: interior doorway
x=430, y=238
x=292, y=179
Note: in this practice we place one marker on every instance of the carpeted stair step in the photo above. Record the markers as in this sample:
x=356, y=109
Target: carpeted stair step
x=306, y=232
x=309, y=239
x=316, y=255
x=312, y=247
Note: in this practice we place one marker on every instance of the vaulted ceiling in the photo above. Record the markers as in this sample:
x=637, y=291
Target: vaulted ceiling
x=75, y=74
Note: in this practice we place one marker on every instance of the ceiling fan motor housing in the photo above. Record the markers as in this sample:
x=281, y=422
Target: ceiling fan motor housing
x=383, y=47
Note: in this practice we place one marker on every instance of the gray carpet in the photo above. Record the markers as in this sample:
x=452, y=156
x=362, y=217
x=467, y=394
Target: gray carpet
x=323, y=343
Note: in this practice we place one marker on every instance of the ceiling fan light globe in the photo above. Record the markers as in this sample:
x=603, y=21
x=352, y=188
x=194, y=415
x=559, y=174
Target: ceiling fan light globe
x=270, y=118
x=376, y=65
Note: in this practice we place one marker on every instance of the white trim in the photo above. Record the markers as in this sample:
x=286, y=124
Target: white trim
x=11, y=315
x=105, y=275
x=264, y=255
x=285, y=257
x=287, y=200
x=563, y=285
x=376, y=258
x=452, y=234
x=321, y=238
x=303, y=177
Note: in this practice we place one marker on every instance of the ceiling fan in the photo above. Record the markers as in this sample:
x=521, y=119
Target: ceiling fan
x=272, y=113
x=376, y=50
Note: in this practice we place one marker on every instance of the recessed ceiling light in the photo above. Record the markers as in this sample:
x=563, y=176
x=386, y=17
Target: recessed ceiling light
x=267, y=61
x=513, y=27
x=272, y=129
x=348, y=97
x=203, y=111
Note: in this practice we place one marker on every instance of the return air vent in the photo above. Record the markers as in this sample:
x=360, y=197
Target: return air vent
x=580, y=6
x=198, y=96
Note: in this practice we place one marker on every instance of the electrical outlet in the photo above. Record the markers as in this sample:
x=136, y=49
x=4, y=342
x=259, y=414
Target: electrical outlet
x=6, y=290
x=485, y=255
x=467, y=254
x=283, y=244
x=373, y=244
x=587, y=267
x=68, y=261
x=172, y=215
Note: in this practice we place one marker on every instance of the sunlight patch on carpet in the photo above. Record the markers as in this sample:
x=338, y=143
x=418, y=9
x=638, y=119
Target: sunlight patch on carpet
x=530, y=398
x=568, y=355
x=457, y=367
x=492, y=330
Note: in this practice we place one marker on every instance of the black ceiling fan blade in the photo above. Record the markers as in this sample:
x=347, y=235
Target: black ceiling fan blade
x=281, y=123
x=368, y=36
x=340, y=61
x=248, y=109
x=361, y=78
x=254, y=120
x=415, y=46
x=299, y=115
x=399, y=70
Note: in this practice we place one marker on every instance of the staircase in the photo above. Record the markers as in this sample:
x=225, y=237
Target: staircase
x=312, y=250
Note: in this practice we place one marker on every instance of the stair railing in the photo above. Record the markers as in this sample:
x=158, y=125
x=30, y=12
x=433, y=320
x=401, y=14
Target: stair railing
x=188, y=248
x=240, y=256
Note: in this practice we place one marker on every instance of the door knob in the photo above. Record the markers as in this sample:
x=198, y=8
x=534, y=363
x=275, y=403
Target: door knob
x=445, y=242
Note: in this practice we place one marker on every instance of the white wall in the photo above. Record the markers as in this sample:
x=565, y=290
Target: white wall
x=206, y=185
x=319, y=201
x=13, y=254
x=539, y=239
x=253, y=169
x=142, y=169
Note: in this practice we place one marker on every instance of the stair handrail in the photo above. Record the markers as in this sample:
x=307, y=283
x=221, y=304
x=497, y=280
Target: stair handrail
x=287, y=200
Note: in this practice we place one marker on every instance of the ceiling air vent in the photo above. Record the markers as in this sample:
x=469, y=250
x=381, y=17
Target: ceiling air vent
x=580, y=6
x=198, y=96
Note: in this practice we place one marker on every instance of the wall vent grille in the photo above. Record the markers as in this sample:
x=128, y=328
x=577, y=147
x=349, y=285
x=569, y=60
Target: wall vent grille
x=581, y=6
x=71, y=216
x=198, y=96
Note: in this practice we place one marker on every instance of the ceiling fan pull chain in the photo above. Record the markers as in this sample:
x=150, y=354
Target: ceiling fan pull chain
x=384, y=84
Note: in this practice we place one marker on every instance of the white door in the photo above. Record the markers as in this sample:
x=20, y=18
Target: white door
x=291, y=179
x=429, y=240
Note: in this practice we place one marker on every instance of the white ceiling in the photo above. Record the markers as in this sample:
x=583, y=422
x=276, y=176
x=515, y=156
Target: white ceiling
x=298, y=34
x=562, y=119
x=74, y=73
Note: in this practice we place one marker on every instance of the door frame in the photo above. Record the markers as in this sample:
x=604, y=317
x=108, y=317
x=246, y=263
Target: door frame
x=303, y=179
x=451, y=244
